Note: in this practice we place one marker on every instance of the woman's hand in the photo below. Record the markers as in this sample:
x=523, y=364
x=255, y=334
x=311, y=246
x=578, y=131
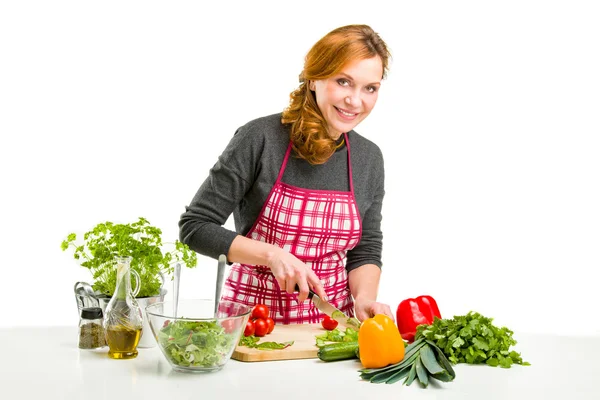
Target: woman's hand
x=289, y=271
x=364, y=282
x=366, y=308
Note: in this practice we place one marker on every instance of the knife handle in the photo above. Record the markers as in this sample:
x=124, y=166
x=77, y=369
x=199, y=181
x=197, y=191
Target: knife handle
x=310, y=292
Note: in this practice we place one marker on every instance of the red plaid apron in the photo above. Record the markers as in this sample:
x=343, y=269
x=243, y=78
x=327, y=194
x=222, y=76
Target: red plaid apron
x=316, y=226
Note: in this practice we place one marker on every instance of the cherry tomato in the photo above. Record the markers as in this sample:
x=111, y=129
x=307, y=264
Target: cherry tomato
x=328, y=323
x=260, y=311
x=260, y=327
x=270, y=324
x=249, y=331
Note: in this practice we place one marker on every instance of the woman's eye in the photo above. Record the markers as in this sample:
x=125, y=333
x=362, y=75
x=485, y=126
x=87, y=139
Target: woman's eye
x=371, y=89
x=343, y=82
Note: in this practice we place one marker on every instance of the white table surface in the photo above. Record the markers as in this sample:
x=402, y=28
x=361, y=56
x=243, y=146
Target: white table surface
x=45, y=363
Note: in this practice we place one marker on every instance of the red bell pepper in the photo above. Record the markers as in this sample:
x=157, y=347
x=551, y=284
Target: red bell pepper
x=414, y=312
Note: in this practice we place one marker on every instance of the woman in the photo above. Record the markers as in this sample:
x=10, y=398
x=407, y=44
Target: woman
x=305, y=190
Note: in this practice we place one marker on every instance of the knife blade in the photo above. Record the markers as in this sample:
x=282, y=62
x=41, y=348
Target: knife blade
x=332, y=311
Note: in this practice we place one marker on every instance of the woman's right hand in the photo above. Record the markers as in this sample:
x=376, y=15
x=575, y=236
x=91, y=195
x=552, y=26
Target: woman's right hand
x=289, y=271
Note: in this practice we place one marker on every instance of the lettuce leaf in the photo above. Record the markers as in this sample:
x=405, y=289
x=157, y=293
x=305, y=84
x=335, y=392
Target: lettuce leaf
x=196, y=343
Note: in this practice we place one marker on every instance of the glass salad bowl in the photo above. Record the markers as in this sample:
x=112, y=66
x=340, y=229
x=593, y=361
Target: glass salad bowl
x=192, y=338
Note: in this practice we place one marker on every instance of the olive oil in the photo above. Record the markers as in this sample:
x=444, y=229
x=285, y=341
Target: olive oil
x=123, y=317
x=122, y=341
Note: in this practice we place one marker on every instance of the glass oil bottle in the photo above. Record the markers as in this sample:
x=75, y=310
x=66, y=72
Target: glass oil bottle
x=123, y=316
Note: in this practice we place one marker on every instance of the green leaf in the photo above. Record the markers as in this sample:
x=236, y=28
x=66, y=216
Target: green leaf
x=248, y=341
x=458, y=342
x=274, y=345
x=506, y=362
x=442, y=360
x=429, y=362
x=383, y=376
x=409, y=357
x=492, y=362
x=406, y=362
x=422, y=373
x=399, y=375
x=442, y=376
x=411, y=375
x=466, y=332
x=411, y=352
x=252, y=342
x=480, y=343
x=141, y=241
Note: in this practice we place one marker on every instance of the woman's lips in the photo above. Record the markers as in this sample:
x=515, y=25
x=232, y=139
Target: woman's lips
x=345, y=114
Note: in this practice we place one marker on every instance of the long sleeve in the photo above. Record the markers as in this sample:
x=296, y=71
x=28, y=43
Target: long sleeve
x=370, y=187
x=201, y=225
x=241, y=180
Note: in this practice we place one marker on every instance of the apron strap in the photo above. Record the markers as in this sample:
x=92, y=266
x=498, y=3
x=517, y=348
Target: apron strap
x=349, y=164
x=284, y=163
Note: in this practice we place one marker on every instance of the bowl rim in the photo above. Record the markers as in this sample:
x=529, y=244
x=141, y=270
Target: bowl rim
x=196, y=319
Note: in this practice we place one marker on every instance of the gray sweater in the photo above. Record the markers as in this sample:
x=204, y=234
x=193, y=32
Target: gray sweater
x=244, y=174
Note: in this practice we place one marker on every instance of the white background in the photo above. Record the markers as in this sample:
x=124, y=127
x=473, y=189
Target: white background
x=489, y=124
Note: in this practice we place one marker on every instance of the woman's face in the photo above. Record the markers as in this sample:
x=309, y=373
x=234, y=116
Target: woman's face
x=347, y=98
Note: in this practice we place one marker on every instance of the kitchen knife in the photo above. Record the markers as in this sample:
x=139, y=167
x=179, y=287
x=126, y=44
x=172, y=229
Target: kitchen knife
x=334, y=313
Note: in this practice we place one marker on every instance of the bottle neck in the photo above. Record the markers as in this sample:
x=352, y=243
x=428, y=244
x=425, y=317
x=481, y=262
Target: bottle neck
x=123, y=287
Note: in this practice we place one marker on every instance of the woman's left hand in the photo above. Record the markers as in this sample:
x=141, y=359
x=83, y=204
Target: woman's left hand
x=369, y=308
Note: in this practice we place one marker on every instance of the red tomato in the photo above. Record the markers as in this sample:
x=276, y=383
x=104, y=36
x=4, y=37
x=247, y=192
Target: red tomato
x=260, y=311
x=328, y=323
x=249, y=331
x=270, y=324
x=260, y=327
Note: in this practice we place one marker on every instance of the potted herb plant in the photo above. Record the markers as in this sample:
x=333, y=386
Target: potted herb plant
x=152, y=260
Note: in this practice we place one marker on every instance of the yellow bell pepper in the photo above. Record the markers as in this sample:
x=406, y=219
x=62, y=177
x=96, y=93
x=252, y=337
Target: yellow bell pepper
x=379, y=342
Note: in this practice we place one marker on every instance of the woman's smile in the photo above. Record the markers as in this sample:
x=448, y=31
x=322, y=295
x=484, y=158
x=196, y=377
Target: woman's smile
x=345, y=114
x=355, y=88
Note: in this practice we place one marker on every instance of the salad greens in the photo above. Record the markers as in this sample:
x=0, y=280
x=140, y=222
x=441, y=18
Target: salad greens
x=196, y=343
x=335, y=335
x=252, y=342
x=472, y=339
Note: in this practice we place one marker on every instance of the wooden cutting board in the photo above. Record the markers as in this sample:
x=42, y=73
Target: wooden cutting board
x=303, y=335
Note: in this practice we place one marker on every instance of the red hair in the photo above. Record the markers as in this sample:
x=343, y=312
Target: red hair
x=328, y=57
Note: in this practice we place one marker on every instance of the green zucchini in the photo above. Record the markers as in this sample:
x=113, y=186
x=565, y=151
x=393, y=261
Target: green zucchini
x=338, y=351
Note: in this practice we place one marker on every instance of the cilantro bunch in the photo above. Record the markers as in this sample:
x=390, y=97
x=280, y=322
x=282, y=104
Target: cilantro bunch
x=196, y=343
x=472, y=339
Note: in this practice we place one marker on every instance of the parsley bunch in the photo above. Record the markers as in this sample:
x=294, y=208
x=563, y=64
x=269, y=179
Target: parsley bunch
x=139, y=240
x=472, y=339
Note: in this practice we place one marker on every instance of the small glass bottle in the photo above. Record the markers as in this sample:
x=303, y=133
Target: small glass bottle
x=123, y=316
x=91, y=330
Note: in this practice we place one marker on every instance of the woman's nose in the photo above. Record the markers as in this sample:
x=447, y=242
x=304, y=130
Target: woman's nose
x=353, y=99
